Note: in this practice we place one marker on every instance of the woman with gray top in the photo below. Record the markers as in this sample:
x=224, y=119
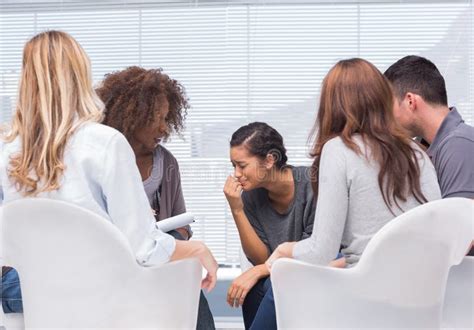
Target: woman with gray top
x=368, y=169
x=147, y=106
x=271, y=203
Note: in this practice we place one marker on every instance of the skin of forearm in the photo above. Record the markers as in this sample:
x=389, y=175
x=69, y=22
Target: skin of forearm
x=261, y=271
x=187, y=249
x=252, y=245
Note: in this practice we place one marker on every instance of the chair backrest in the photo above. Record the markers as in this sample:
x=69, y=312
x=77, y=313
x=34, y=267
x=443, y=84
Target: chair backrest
x=399, y=281
x=458, y=308
x=77, y=269
x=424, y=241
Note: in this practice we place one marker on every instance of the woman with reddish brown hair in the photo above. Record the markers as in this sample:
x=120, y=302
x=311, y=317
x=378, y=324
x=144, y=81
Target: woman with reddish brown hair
x=367, y=171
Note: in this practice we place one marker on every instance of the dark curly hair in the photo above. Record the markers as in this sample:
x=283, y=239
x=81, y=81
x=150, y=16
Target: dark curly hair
x=133, y=96
x=261, y=140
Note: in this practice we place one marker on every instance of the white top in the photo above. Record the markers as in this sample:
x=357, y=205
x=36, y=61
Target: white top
x=350, y=207
x=101, y=175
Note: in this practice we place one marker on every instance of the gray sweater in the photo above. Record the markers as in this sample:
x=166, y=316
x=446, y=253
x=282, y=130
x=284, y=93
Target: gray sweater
x=163, y=187
x=294, y=224
x=351, y=208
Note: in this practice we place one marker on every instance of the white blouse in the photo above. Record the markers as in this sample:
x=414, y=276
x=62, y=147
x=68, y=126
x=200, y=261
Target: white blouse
x=101, y=175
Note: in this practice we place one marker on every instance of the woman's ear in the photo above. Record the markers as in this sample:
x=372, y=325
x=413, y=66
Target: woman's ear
x=269, y=161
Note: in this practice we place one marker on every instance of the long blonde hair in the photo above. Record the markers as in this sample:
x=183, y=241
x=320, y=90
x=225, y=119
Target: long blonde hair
x=55, y=97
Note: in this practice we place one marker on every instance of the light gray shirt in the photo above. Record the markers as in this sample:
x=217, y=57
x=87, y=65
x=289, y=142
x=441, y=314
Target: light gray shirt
x=351, y=208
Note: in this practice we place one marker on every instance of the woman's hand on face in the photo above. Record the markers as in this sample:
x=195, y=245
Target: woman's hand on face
x=241, y=286
x=233, y=191
x=284, y=250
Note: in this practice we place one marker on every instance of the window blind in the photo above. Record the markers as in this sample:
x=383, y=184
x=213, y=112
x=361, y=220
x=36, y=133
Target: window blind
x=243, y=61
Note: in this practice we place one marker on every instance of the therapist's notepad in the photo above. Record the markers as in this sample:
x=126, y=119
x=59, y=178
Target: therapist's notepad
x=175, y=222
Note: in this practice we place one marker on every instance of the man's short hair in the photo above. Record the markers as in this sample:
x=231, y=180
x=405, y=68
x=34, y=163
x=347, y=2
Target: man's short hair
x=415, y=74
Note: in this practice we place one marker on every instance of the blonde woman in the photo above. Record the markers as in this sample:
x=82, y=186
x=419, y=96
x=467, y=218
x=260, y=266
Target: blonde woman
x=57, y=149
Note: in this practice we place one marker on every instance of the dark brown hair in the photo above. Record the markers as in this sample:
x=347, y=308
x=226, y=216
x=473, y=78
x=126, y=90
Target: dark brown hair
x=261, y=139
x=357, y=99
x=133, y=96
x=418, y=75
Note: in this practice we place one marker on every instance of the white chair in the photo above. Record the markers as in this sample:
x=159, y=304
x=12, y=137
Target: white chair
x=9, y=321
x=77, y=270
x=458, y=310
x=399, y=281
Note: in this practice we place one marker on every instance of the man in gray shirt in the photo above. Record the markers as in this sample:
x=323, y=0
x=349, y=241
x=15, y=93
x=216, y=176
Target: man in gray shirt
x=423, y=110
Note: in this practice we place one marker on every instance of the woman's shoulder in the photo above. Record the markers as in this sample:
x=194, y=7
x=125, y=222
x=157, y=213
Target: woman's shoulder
x=97, y=131
x=168, y=157
x=337, y=144
x=336, y=147
x=359, y=150
x=97, y=135
x=302, y=175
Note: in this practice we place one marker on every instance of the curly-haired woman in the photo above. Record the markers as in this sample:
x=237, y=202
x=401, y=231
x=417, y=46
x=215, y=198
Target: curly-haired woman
x=147, y=106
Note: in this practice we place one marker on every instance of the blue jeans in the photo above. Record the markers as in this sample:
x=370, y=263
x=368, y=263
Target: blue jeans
x=11, y=293
x=254, y=303
x=266, y=314
x=205, y=320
